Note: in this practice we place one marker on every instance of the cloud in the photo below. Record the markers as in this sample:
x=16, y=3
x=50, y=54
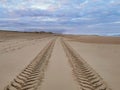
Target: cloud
x=74, y=15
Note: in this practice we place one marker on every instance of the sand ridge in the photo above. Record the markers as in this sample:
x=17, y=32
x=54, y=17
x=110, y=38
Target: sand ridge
x=59, y=73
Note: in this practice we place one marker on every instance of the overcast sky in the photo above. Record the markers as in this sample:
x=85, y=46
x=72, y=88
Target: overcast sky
x=64, y=16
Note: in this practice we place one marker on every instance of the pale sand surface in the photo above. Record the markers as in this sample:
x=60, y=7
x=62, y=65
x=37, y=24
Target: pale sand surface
x=94, y=39
x=104, y=58
x=12, y=63
x=59, y=73
x=17, y=50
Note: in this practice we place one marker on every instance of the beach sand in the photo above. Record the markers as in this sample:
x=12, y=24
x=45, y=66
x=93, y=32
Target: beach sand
x=50, y=62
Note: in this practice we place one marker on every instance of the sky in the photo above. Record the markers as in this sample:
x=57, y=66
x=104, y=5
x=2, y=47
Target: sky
x=61, y=16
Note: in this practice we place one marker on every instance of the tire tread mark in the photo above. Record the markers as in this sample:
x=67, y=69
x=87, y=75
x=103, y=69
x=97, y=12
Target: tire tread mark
x=84, y=74
x=31, y=77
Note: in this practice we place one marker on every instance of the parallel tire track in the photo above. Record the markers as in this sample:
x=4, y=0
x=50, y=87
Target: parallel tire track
x=86, y=77
x=31, y=77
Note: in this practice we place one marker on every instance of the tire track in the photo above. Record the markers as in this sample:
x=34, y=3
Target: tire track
x=87, y=77
x=31, y=77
